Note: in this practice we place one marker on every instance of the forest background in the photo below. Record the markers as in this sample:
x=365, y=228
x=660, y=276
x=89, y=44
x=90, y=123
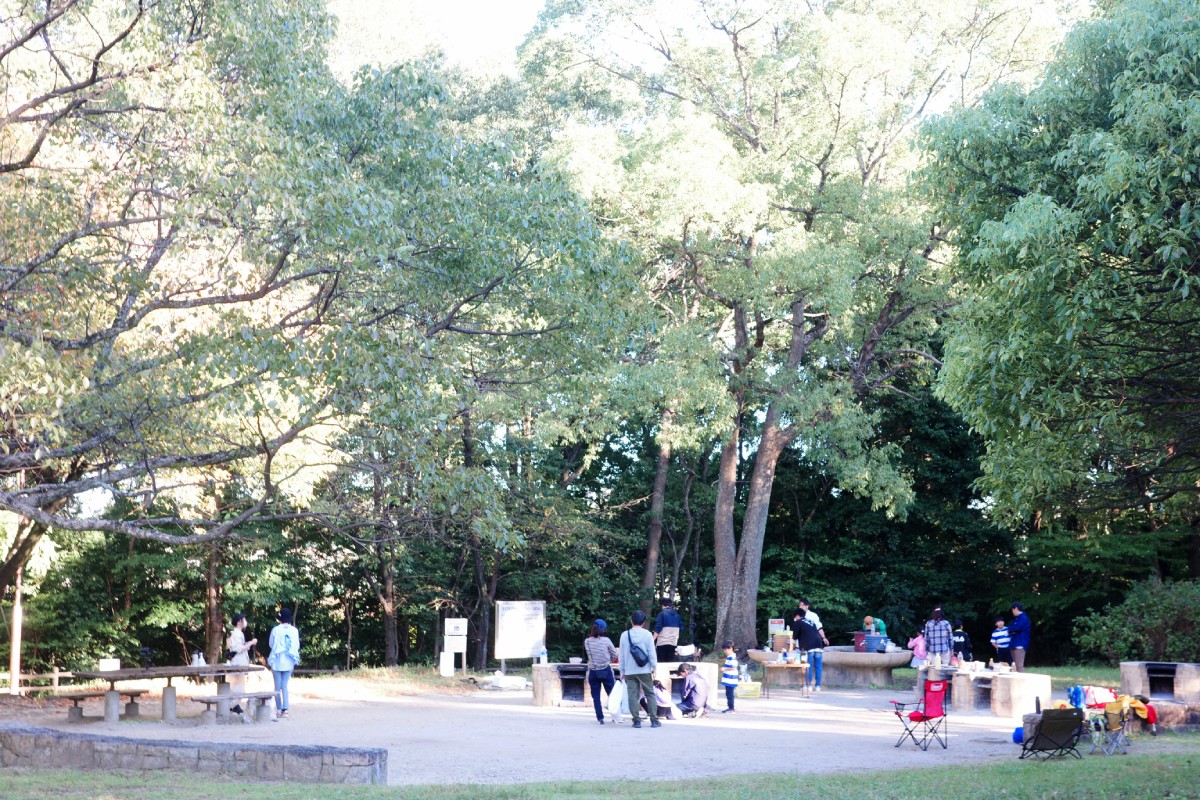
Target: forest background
x=887, y=304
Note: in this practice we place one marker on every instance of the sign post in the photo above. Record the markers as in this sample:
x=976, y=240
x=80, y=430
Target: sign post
x=520, y=629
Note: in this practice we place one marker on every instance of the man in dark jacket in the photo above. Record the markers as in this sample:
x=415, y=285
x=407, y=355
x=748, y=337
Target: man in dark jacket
x=1019, y=633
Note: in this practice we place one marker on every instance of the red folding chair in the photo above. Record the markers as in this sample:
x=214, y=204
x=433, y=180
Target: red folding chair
x=925, y=719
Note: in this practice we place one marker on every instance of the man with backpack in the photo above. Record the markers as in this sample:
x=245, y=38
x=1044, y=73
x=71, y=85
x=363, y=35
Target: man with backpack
x=638, y=660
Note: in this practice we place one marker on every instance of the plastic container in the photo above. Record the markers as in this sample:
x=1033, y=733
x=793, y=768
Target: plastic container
x=874, y=643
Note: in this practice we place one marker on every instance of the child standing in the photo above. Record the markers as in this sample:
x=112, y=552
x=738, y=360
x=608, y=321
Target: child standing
x=729, y=675
x=917, y=645
x=1000, y=641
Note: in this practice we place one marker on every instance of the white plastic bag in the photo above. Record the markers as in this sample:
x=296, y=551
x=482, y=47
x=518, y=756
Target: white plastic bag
x=617, y=701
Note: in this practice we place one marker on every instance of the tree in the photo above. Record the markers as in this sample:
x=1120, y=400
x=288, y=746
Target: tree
x=1071, y=204
x=155, y=282
x=754, y=152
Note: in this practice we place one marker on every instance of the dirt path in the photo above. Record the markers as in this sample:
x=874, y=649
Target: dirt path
x=499, y=737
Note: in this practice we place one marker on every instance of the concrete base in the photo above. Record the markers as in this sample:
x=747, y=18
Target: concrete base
x=1136, y=681
x=842, y=666
x=1017, y=693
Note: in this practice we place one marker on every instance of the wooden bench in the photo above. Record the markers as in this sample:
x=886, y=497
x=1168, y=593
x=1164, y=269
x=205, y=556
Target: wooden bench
x=75, y=712
x=262, y=711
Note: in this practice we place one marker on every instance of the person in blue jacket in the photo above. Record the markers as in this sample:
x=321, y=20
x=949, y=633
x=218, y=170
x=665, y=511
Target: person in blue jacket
x=1019, y=633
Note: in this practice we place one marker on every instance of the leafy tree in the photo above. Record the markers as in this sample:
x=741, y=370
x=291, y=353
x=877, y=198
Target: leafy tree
x=1157, y=621
x=752, y=152
x=1072, y=205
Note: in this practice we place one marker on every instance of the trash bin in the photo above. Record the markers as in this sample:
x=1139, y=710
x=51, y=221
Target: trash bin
x=860, y=641
x=572, y=677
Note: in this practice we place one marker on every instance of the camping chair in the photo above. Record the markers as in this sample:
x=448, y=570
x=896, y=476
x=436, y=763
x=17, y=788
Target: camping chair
x=1111, y=732
x=1055, y=734
x=927, y=719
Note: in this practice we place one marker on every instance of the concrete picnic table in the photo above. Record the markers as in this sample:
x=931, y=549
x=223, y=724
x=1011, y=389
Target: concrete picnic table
x=112, y=698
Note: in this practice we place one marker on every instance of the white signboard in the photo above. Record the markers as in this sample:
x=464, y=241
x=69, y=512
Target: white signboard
x=456, y=626
x=774, y=626
x=520, y=628
x=454, y=644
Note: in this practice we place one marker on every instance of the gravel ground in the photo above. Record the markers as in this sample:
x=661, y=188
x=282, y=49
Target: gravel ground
x=499, y=737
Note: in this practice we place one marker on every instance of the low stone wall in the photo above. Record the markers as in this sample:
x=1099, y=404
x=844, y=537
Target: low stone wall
x=28, y=746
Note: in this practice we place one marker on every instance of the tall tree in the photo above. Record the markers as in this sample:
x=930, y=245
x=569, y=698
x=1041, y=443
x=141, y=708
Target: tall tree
x=1073, y=207
x=755, y=151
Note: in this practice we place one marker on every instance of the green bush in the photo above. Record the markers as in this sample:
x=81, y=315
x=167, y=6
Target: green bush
x=1156, y=622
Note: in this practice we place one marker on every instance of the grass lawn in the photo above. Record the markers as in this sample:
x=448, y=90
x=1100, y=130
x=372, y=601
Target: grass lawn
x=1171, y=775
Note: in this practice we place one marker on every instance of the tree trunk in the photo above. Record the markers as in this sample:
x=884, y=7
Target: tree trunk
x=214, y=624
x=724, y=538
x=741, y=621
x=657, y=502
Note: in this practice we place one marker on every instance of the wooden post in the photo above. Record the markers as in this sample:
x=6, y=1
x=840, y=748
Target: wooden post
x=14, y=657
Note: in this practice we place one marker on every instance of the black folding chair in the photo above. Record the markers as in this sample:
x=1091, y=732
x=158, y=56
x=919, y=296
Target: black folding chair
x=1055, y=734
x=927, y=720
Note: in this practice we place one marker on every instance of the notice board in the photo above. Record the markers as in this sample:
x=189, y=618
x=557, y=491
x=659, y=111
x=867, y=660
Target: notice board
x=520, y=628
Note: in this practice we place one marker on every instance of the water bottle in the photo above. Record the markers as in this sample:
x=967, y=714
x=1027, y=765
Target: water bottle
x=543, y=656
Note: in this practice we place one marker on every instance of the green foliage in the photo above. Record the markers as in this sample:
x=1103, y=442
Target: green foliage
x=1074, y=353
x=1156, y=621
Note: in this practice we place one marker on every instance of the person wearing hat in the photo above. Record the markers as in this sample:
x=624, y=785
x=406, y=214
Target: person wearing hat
x=239, y=655
x=285, y=656
x=600, y=656
x=693, y=695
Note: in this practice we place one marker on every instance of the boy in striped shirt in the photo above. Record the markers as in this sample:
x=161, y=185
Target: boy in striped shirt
x=729, y=675
x=1000, y=640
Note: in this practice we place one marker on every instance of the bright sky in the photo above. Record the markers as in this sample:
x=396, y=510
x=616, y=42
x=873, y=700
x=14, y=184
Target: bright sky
x=481, y=34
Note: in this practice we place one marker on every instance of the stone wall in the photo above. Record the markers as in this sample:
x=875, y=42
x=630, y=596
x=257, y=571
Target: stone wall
x=28, y=746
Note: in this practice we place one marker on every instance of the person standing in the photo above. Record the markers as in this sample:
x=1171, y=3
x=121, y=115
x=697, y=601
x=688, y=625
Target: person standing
x=816, y=655
x=1020, y=632
x=600, y=655
x=962, y=643
x=1000, y=642
x=284, y=657
x=939, y=640
x=808, y=639
x=639, y=677
x=239, y=656
x=666, y=630
x=917, y=645
x=729, y=676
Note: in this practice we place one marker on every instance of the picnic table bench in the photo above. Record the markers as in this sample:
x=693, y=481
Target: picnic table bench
x=218, y=705
x=75, y=712
x=219, y=672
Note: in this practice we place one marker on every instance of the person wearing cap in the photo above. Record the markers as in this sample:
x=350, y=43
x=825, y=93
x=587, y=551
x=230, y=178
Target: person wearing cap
x=239, y=655
x=285, y=655
x=639, y=677
x=693, y=695
x=600, y=655
x=1019, y=633
x=666, y=630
